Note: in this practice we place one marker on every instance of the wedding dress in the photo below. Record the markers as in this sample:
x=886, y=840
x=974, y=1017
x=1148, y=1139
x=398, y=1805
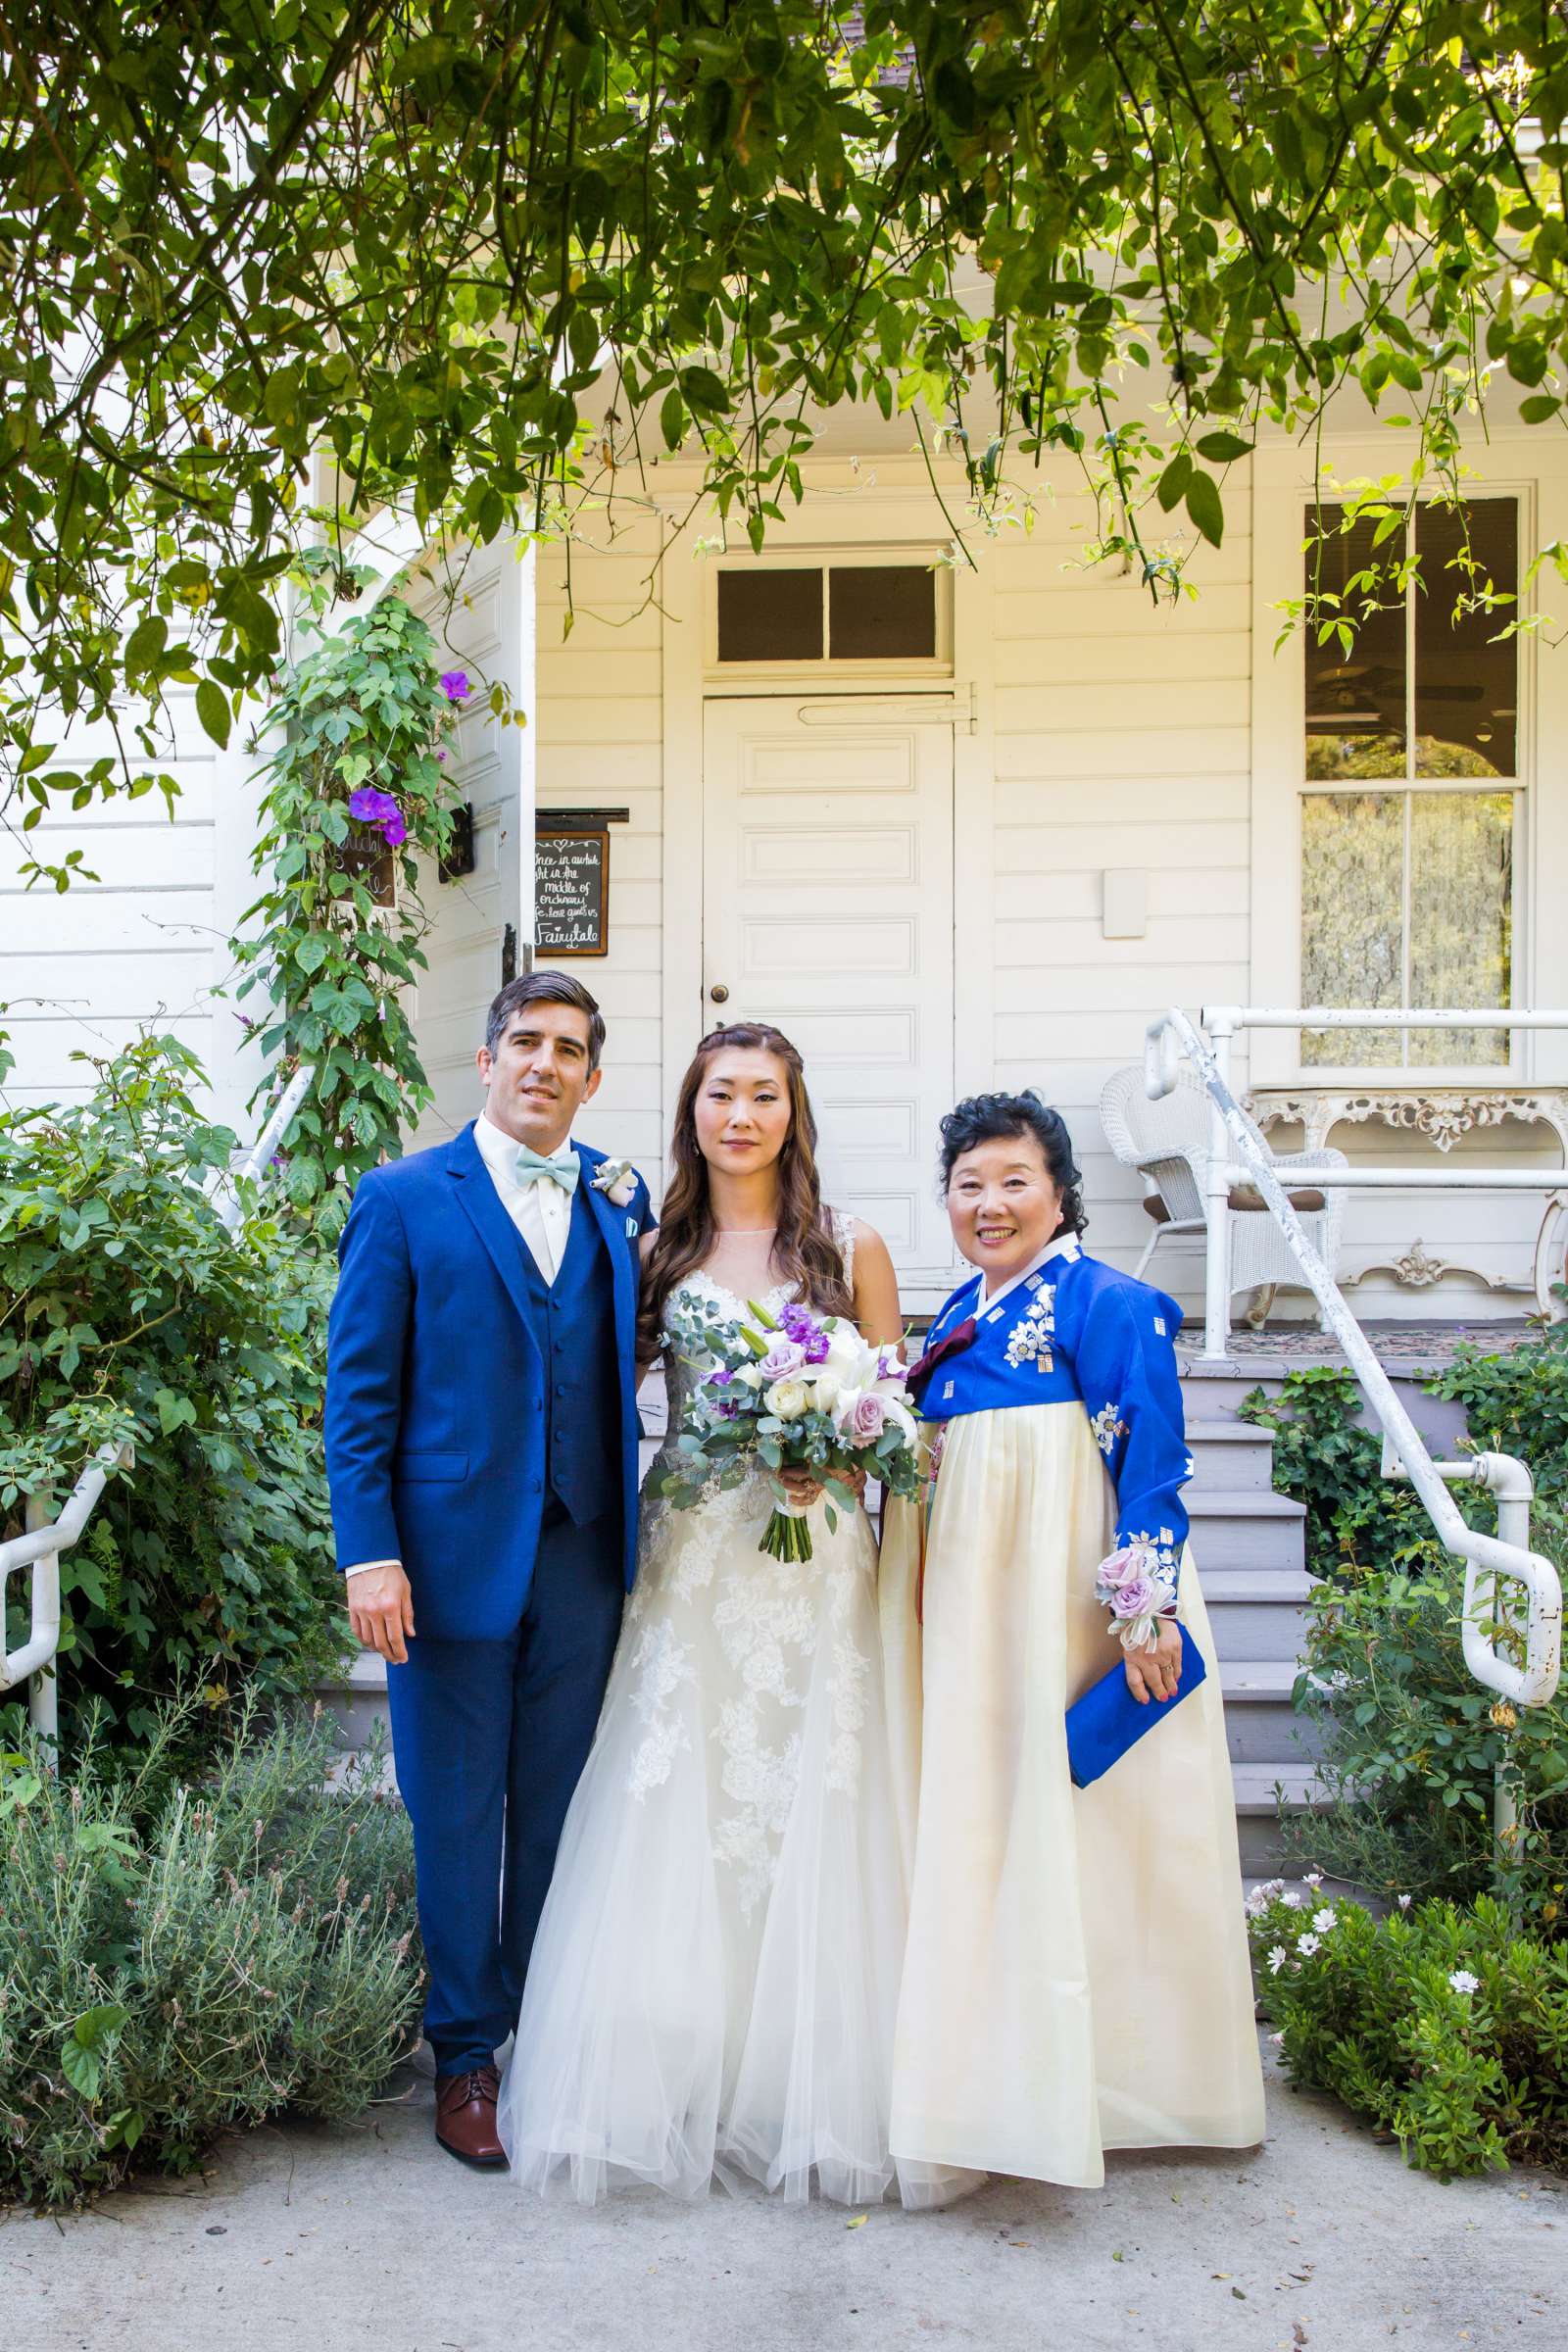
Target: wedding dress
x=714, y=1986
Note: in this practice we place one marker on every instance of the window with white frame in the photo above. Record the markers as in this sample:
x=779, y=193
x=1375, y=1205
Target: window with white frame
x=1413, y=801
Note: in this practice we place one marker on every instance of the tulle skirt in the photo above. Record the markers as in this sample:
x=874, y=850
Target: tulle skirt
x=1077, y=1974
x=713, y=1987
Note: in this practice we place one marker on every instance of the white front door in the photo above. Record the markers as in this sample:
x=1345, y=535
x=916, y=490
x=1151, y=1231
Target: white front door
x=828, y=890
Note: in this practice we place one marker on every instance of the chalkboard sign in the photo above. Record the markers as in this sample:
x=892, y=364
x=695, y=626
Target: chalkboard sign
x=572, y=894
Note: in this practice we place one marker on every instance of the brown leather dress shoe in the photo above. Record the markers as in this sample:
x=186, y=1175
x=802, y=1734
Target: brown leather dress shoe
x=466, y=2116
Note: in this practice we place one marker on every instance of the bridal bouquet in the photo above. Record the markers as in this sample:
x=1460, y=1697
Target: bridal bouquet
x=795, y=1392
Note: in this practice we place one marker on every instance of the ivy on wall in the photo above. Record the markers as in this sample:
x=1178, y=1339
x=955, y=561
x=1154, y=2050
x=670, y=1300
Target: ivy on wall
x=356, y=787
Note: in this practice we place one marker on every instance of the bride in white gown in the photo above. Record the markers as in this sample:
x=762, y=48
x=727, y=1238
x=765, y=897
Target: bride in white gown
x=715, y=1978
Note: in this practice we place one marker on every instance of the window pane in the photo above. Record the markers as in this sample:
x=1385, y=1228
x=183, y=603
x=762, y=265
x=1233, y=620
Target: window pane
x=882, y=613
x=1461, y=918
x=1465, y=693
x=767, y=616
x=1355, y=697
x=1352, y=857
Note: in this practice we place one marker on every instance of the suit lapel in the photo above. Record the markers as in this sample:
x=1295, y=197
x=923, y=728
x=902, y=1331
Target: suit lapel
x=481, y=1204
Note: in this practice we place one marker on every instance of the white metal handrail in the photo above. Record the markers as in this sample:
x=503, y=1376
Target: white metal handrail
x=1223, y=1022
x=1532, y=1682
x=39, y=1547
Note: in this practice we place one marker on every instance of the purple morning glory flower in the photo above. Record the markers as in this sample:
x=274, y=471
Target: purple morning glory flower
x=454, y=685
x=373, y=807
x=440, y=755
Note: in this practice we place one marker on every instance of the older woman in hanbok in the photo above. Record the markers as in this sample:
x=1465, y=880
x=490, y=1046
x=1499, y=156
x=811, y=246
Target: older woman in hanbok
x=1076, y=1977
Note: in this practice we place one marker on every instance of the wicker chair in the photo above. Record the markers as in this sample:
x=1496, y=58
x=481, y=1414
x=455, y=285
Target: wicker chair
x=1167, y=1143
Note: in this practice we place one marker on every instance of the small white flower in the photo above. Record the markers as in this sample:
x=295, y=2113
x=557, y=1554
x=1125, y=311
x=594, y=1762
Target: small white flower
x=1324, y=1920
x=1277, y=1959
x=1293, y=1899
x=616, y=1179
x=1463, y=1981
x=1405, y=1903
x=1278, y=2039
x=1306, y=1946
x=1314, y=1878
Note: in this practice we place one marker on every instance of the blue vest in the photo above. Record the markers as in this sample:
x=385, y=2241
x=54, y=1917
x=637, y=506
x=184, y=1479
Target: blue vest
x=574, y=1325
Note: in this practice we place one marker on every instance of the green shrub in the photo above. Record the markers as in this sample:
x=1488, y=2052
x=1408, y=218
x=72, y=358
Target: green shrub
x=1328, y=1461
x=1439, y=2024
x=1412, y=1747
x=177, y=1957
x=126, y=1311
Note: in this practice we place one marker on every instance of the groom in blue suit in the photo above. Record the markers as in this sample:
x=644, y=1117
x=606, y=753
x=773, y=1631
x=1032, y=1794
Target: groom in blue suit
x=481, y=1449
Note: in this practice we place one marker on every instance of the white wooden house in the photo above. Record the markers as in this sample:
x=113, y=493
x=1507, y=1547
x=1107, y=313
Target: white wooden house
x=957, y=820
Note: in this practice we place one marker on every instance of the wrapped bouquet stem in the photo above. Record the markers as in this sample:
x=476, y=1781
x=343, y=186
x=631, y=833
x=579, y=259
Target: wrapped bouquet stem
x=800, y=1392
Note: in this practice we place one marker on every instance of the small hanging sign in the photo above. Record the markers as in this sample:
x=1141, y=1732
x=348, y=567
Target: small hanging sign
x=572, y=891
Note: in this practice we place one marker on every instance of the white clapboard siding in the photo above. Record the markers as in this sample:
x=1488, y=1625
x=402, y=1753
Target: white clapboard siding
x=140, y=947
x=601, y=746
x=1122, y=740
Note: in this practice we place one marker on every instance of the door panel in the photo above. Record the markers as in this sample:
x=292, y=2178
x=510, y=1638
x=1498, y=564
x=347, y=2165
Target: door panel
x=828, y=911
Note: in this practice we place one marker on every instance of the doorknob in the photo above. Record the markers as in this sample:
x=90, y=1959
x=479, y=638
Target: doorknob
x=720, y=993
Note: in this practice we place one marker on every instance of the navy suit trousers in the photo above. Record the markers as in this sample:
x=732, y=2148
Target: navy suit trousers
x=491, y=1737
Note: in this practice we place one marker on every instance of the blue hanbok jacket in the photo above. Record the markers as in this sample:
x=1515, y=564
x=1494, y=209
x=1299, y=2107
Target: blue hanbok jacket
x=1076, y=1329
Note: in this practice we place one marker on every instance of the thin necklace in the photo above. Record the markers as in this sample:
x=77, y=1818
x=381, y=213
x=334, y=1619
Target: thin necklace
x=722, y=1231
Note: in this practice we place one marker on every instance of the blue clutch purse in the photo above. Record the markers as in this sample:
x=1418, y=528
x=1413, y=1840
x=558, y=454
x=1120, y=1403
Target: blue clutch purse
x=1108, y=1720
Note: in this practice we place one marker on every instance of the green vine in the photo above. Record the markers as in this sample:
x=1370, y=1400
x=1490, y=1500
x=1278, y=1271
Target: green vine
x=357, y=787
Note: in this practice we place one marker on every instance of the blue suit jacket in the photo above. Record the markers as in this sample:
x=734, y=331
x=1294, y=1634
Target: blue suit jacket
x=435, y=1404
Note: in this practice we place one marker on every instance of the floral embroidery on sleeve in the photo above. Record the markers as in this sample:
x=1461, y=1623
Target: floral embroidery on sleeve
x=1107, y=1426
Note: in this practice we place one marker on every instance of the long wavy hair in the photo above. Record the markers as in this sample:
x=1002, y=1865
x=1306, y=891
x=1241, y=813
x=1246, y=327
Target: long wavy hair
x=804, y=1251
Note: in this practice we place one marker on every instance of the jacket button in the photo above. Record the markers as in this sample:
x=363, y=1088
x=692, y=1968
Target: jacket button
x=536, y=1486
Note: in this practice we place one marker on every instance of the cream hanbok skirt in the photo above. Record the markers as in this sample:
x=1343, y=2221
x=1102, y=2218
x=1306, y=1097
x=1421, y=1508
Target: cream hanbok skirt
x=1076, y=1976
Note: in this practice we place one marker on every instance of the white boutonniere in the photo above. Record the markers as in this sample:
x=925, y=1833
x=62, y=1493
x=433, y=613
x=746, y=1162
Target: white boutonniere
x=616, y=1179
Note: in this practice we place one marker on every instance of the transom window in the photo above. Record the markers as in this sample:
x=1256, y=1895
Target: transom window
x=830, y=612
x=1411, y=801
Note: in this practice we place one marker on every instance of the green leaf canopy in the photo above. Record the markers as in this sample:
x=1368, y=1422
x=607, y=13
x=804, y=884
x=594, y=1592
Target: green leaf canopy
x=494, y=259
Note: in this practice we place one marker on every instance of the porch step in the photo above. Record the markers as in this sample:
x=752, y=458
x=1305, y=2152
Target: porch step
x=1257, y=1827
x=1250, y=1529
x=1261, y=1727
x=359, y=1700
x=1233, y=1456
x=1256, y=1612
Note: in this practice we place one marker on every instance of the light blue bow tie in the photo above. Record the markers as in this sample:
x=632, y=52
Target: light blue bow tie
x=559, y=1167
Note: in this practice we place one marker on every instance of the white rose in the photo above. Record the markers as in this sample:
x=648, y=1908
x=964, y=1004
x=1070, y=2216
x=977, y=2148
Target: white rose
x=748, y=1376
x=845, y=1354
x=787, y=1400
x=825, y=1389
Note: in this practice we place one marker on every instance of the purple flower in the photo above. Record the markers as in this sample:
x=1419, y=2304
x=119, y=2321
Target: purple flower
x=816, y=1349
x=868, y=1421
x=727, y=1412
x=1135, y=1599
x=454, y=685
x=440, y=753
x=798, y=1322
x=373, y=807
x=783, y=1360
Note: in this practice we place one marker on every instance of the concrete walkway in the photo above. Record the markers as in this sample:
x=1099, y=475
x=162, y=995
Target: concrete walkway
x=330, y=2241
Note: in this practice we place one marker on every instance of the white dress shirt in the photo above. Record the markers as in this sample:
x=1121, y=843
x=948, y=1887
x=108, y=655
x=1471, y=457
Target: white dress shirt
x=541, y=1213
